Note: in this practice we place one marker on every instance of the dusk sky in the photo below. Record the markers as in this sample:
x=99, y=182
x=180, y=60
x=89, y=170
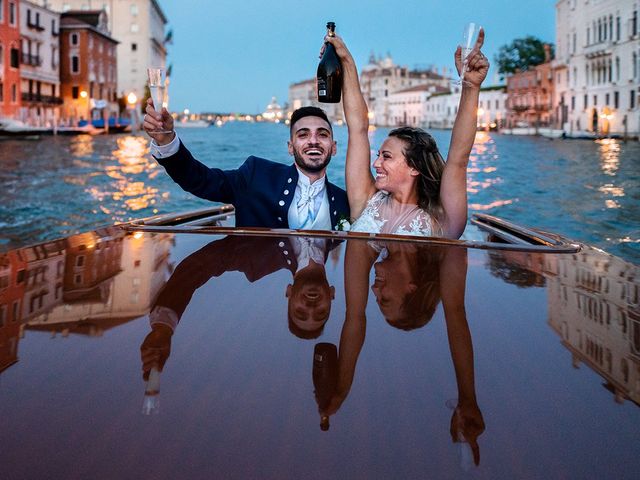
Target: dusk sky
x=234, y=55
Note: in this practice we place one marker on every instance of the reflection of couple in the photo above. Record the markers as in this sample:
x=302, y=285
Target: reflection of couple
x=409, y=284
x=309, y=295
x=414, y=192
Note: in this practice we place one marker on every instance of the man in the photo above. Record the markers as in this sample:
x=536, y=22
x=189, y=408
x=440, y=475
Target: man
x=264, y=193
x=309, y=295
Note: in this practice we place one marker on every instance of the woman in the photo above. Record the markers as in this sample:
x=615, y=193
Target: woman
x=414, y=192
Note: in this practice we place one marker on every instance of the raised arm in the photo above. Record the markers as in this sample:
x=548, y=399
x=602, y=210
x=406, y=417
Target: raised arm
x=359, y=180
x=453, y=189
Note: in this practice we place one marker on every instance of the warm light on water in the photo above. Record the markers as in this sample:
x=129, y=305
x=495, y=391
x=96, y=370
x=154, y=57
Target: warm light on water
x=60, y=185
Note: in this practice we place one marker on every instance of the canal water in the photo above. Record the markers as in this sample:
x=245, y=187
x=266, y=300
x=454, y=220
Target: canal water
x=54, y=186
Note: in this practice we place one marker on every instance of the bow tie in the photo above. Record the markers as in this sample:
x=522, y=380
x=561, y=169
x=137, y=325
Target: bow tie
x=308, y=193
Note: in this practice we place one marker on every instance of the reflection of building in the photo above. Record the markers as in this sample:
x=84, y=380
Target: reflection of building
x=87, y=66
x=594, y=305
x=598, y=59
x=12, y=286
x=10, y=98
x=39, y=65
x=111, y=278
x=44, y=278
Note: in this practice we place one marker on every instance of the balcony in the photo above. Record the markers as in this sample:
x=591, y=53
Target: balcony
x=33, y=60
x=35, y=26
x=43, y=99
x=600, y=49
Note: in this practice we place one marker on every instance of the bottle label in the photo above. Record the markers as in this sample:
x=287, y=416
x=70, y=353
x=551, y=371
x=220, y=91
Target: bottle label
x=322, y=92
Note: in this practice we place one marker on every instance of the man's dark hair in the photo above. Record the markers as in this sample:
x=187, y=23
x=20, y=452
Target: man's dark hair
x=308, y=112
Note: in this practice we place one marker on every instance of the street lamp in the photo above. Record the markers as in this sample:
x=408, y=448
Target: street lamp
x=132, y=102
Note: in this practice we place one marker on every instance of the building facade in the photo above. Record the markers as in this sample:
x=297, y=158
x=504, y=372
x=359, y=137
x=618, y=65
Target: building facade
x=305, y=93
x=441, y=108
x=139, y=27
x=598, y=65
x=409, y=106
x=40, y=65
x=88, y=67
x=10, y=99
x=531, y=95
x=380, y=78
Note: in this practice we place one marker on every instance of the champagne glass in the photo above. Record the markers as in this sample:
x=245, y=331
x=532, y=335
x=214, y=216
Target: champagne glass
x=157, y=87
x=469, y=39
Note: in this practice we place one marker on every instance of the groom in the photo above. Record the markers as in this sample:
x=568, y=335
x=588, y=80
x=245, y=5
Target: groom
x=264, y=193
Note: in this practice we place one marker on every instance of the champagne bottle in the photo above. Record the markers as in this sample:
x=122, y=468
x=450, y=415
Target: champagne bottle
x=325, y=377
x=329, y=72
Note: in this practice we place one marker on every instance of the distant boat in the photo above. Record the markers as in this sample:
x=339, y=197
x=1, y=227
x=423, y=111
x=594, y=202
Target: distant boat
x=193, y=124
x=11, y=127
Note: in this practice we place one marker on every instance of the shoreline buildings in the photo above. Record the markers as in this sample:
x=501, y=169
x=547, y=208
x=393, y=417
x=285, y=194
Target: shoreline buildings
x=597, y=66
x=63, y=61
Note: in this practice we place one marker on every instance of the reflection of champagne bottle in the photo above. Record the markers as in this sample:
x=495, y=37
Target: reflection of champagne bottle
x=329, y=72
x=325, y=377
x=151, y=403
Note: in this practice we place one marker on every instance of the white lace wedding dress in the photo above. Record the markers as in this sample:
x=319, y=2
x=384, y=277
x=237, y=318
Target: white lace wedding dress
x=383, y=214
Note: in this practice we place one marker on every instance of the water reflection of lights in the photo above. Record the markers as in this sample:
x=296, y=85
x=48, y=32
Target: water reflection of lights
x=82, y=146
x=609, y=155
x=127, y=180
x=612, y=190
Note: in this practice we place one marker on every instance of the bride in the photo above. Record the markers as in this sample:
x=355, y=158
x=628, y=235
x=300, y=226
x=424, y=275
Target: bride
x=414, y=191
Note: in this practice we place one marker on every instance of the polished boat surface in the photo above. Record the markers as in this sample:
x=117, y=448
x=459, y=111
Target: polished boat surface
x=437, y=360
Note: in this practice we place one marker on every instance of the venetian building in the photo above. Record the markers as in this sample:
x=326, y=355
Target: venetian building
x=10, y=99
x=381, y=77
x=530, y=95
x=597, y=66
x=409, y=106
x=305, y=94
x=139, y=27
x=40, y=65
x=87, y=67
x=441, y=108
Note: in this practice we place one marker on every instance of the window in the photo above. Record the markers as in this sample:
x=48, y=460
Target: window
x=75, y=64
x=80, y=261
x=606, y=99
x=1, y=11
x=15, y=58
x=77, y=279
x=634, y=60
x=75, y=92
x=134, y=47
x=617, y=69
x=14, y=93
x=632, y=99
x=1, y=92
x=595, y=100
x=618, y=28
x=16, y=307
x=135, y=28
x=586, y=101
x=74, y=39
x=12, y=14
x=134, y=9
x=3, y=314
x=616, y=99
x=573, y=103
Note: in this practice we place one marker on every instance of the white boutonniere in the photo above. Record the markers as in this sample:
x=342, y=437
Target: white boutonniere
x=343, y=225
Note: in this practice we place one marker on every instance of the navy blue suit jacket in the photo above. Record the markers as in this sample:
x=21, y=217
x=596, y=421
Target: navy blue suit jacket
x=260, y=190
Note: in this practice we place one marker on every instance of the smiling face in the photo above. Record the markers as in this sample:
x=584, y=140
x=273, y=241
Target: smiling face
x=310, y=299
x=312, y=145
x=393, y=174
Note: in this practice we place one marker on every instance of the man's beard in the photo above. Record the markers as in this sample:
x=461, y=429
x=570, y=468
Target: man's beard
x=311, y=166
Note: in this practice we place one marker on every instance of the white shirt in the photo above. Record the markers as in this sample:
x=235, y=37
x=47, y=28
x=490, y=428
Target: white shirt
x=320, y=211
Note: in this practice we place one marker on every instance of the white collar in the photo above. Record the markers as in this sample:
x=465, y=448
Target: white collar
x=304, y=181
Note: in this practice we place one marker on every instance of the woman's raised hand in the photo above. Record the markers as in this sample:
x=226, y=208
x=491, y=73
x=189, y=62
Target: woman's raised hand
x=477, y=65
